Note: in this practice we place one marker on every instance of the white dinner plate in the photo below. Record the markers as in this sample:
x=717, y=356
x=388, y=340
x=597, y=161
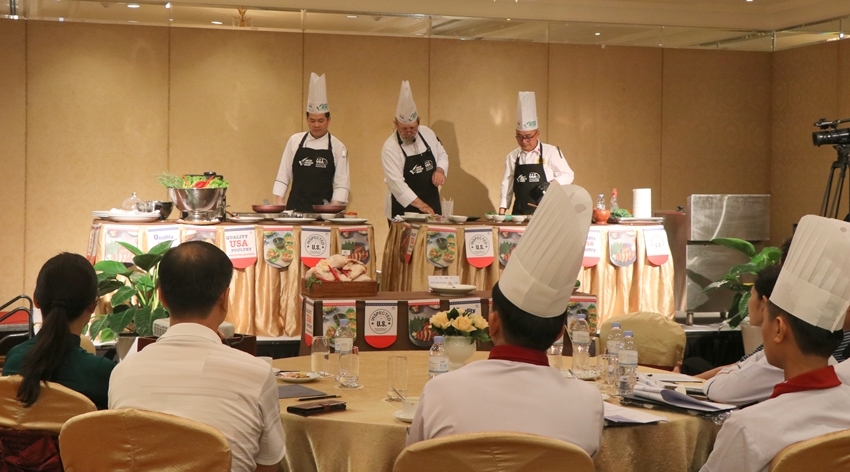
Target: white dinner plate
x=421, y=217
x=311, y=376
x=100, y=214
x=295, y=220
x=400, y=416
x=246, y=219
x=446, y=289
x=140, y=218
x=348, y=221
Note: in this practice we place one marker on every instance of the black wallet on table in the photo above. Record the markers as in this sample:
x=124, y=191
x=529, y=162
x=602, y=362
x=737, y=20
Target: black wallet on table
x=316, y=408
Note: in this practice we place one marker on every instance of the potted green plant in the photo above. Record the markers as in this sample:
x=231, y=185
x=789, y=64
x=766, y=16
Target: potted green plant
x=739, y=278
x=135, y=301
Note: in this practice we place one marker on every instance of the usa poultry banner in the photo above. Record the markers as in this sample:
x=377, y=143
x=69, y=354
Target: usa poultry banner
x=657, y=248
x=240, y=245
x=308, y=322
x=621, y=247
x=315, y=245
x=381, y=323
x=592, y=248
x=479, y=246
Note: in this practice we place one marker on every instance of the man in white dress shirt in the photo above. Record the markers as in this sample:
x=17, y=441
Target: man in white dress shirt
x=801, y=330
x=414, y=161
x=532, y=163
x=314, y=165
x=188, y=372
x=515, y=389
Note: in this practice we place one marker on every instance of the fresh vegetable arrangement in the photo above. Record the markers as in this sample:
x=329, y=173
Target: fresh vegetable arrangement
x=620, y=213
x=191, y=181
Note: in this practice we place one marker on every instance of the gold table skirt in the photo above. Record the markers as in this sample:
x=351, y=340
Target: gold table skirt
x=366, y=437
x=264, y=300
x=638, y=287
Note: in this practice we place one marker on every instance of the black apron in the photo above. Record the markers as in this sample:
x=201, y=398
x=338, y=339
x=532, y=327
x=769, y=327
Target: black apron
x=418, y=170
x=526, y=178
x=312, y=177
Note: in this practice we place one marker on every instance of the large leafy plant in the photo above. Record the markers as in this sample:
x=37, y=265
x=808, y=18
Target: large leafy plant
x=739, y=278
x=135, y=301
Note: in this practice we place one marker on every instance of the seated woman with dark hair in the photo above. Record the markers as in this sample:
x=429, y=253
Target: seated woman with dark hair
x=66, y=293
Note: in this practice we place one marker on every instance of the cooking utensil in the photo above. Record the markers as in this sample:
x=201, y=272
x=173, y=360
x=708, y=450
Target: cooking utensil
x=328, y=208
x=268, y=208
x=403, y=398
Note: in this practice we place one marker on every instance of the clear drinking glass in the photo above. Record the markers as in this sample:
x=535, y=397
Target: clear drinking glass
x=555, y=355
x=396, y=378
x=609, y=369
x=349, y=369
x=320, y=361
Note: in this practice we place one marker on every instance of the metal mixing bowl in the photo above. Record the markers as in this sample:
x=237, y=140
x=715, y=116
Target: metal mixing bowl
x=196, y=199
x=164, y=209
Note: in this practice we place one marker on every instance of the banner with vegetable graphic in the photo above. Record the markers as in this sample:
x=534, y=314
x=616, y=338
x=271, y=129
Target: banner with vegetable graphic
x=91, y=251
x=419, y=313
x=586, y=305
x=408, y=240
x=657, y=248
x=508, y=239
x=354, y=243
x=333, y=311
x=278, y=246
x=621, y=247
x=442, y=246
x=308, y=321
x=113, y=235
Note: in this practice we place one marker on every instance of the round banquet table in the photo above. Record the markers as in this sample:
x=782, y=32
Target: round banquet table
x=366, y=437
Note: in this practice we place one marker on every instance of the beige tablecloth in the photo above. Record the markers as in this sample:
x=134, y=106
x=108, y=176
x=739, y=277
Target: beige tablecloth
x=638, y=287
x=366, y=437
x=264, y=300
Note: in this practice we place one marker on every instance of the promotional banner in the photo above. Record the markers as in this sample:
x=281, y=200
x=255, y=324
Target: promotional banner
x=442, y=246
x=315, y=245
x=419, y=313
x=381, y=320
x=308, y=321
x=479, y=246
x=333, y=311
x=657, y=248
x=158, y=234
x=472, y=305
x=91, y=250
x=411, y=241
x=592, y=248
x=508, y=239
x=240, y=245
x=278, y=246
x=198, y=233
x=354, y=243
x=113, y=234
x=621, y=247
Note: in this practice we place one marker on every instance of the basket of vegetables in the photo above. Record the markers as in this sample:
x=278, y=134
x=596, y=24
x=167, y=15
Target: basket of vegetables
x=193, y=193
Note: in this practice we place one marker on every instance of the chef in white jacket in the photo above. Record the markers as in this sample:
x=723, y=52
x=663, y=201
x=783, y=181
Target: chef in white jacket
x=314, y=165
x=801, y=330
x=414, y=161
x=532, y=163
x=515, y=389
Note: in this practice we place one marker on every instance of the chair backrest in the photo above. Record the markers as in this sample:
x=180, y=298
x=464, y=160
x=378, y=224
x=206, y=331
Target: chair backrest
x=139, y=440
x=55, y=405
x=497, y=451
x=660, y=342
x=827, y=452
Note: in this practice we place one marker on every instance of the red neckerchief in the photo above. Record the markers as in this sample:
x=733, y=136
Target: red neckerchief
x=507, y=352
x=818, y=379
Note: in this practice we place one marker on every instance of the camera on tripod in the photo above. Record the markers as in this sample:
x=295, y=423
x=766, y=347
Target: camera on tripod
x=832, y=134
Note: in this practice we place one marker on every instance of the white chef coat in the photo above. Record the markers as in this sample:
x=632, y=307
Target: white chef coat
x=554, y=165
x=342, y=178
x=502, y=395
x=750, y=438
x=189, y=373
x=843, y=371
x=746, y=382
x=393, y=159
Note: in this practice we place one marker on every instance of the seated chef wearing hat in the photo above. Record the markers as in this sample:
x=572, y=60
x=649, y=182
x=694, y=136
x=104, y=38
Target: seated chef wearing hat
x=515, y=389
x=801, y=330
x=531, y=166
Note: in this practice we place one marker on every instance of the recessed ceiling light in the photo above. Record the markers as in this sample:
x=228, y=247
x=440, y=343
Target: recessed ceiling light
x=132, y=21
x=61, y=19
x=133, y=5
x=168, y=5
x=508, y=19
x=351, y=16
x=597, y=34
x=216, y=22
x=749, y=0
x=841, y=35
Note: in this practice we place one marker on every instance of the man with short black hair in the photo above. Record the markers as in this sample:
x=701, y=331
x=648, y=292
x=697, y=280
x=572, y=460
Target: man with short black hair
x=515, y=389
x=801, y=330
x=188, y=372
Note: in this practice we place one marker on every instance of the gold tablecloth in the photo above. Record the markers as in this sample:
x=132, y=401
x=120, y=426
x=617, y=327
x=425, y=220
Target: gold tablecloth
x=264, y=300
x=366, y=437
x=638, y=287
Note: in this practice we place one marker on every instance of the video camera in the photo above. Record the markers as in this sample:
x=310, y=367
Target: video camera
x=831, y=134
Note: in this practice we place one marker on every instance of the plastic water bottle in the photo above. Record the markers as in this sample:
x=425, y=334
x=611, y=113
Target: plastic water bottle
x=344, y=342
x=581, y=346
x=438, y=359
x=612, y=346
x=628, y=361
x=555, y=354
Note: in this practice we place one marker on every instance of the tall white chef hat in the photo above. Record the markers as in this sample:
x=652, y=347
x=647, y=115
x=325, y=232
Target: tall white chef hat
x=405, y=111
x=542, y=271
x=317, y=95
x=814, y=283
x=526, y=112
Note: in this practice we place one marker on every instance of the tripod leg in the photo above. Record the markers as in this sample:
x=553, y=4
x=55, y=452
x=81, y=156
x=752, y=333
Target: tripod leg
x=828, y=191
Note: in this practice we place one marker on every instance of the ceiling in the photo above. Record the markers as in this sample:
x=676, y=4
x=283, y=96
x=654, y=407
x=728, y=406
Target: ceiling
x=758, y=25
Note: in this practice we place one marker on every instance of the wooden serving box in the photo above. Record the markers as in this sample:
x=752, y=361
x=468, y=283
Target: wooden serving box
x=340, y=289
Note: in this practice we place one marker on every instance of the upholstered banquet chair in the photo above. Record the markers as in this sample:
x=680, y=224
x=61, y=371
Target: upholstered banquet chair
x=828, y=452
x=138, y=440
x=660, y=342
x=28, y=436
x=497, y=451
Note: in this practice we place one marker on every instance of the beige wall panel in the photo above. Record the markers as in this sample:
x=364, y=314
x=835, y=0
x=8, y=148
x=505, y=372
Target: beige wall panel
x=364, y=75
x=843, y=79
x=716, y=124
x=13, y=89
x=97, y=101
x=235, y=100
x=474, y=86
x=805, y=88
x=605, y=113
